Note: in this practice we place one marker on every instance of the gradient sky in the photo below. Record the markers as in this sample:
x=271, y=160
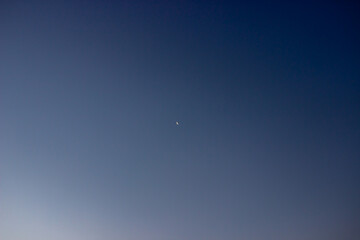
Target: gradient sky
x=267, y=97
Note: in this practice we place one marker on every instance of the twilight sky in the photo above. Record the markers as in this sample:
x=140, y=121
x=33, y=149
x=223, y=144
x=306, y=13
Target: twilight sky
x=267, y=97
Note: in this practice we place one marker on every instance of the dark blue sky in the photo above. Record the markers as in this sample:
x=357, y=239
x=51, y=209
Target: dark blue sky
x=267, y=97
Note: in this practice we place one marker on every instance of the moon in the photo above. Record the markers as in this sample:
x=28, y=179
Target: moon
x=177, y=123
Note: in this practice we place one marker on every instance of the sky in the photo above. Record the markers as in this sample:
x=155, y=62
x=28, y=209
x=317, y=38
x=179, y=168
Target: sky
x=266, y=97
